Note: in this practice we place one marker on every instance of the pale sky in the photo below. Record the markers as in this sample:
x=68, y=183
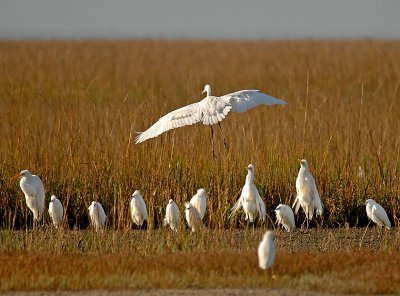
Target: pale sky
x=205, y=19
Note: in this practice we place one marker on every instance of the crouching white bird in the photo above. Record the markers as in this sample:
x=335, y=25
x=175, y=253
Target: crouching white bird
x=307, y=193
x=172, y=216
x=56, y=211
x=192, y=217
x=33, y=189
x=267, y=250
x=377, y=213
x=250, y=199
x=97, y=215
x=285, y=217
x=199, y=202
x=211, y=110
x=138, y=208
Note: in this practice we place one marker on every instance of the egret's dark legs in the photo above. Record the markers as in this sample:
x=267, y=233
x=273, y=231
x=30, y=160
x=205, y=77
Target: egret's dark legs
x=212, y=142
x=223, y=136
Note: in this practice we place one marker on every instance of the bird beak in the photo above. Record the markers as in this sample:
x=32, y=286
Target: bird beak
x=15, y=177
x=203, y=91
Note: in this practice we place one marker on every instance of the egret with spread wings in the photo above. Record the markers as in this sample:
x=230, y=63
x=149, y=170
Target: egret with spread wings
x=211, y=110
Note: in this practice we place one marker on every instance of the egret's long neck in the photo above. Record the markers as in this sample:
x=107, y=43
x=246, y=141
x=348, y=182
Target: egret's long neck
x=250, y=177
x=208, y=91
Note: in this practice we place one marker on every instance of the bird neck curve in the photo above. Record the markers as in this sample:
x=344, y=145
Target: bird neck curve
x=250, y=177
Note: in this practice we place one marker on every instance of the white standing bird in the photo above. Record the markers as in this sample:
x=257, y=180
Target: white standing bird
x=33, y=189
x=211, y=110
x=172, y=216
x=56, y=211
x=138, y=208
x=307, y=193
x=250, y=199
x=267, y=250
x=361, y=172
x=192, y=217
x=199, y=201
x=285, y=217
x=97, y=215
x=377, y=213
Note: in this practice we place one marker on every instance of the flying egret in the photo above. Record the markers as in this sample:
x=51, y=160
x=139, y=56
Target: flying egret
x=138, y=208
x=56, y=211
x=209, y=111
x=285, y=217
x=199, y=202
x=172, y=216
x=192, y=217
x=307, y=193
x=267, y=250
x=33, y=189
x=250, y=199
x=377, y=213
x=97, y=215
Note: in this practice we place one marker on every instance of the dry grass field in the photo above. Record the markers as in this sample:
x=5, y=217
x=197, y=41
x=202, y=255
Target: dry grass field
x=70, y=111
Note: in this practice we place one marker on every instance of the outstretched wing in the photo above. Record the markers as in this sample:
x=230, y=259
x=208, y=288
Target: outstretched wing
x=244, y=100
x=181, y=117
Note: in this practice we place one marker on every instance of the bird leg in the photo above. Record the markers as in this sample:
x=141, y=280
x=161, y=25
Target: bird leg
x=223, y=137
x=212, y=142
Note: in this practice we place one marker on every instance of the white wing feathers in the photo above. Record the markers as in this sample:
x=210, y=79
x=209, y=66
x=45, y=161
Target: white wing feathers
x=380, y=213
x=244, y=100
x=187, y=115
x=262, y=211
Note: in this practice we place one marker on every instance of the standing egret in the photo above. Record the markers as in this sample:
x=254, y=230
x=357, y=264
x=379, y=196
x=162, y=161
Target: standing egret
x=199, y=202
x=192, y=217
x=307, y=193
x=211, y=110
x=56, y=211
x=377, y=213
x=33, y=189
x=172, y=216
x=285, y=217
x=267, y=250
x=138, y=208
x=250, y=199
x=97, y=215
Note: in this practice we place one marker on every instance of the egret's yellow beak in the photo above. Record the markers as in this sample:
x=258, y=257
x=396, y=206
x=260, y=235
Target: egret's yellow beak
x=15, y=177
x=203, y=91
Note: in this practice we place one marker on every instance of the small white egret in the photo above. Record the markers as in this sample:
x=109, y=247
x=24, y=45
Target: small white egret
x=192, y=217
x=307, y=193
x=199, y=202
x=97, y=215
x=250, y=199
x=267, y=250
x=377, y=213
x=211, y=110
x=285, y=217
x=56, y=211
x=138, y=208
x=172, y=216
x=33, y=189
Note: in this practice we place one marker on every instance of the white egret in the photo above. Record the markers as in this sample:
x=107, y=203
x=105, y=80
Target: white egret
x=199, y=202
x=285, y=217
x=211, y=110
x=97, y=215
x=138, y=208
x=172, y=216
x=307, y=193
x=56, y=211
x=267, y=250
x=361, y=172
x=192, y=217
x=250, y=199
x=377, y=213
x=33, y=189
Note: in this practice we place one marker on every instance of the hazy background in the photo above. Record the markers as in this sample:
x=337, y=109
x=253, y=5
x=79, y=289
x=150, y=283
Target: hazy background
x=199, y=19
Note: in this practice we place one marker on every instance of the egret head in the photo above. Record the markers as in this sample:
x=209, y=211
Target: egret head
x=207, y=89
x=279, y=207
x=136, y=193
x=24, y=173
x=304, y=164
x=53, y=197
x=250, y=167
x=269, y=236
x=201, y=191
x=170, y=201
x=370, y=200
x=187, y=206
